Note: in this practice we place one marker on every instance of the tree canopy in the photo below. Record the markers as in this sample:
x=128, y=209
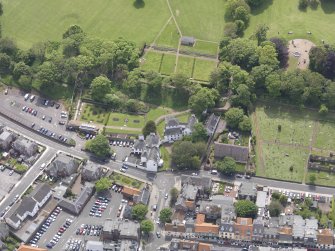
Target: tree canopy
x=246, y=208
x=165, y=215
x=100, y=86
x=103, y=184
x=139, y=212
x=147, y=226
x=150, y=127
x=199, y=133
x=234, y=117
x=99, y=146
x=186, y=155
x=203, y=99
x=227, y=166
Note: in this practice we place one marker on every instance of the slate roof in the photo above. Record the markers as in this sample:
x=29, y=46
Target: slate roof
x=239, y=153
x=40, y=192
x=152, y=140
x=202, y=182
x=139, y=144
x=5, y=135
x=248, y=189
x=154, y=154
x=171, y=122
x=189, y=192
x=173, y=131
x=63, y=166
x=192, y=120
x=143, y=197
x=212, y=123
x=187, y=40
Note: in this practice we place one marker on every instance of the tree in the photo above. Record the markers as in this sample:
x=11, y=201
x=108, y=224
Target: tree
x=267, y=55
x=230, y=30
x=246, y=208
x=199, y=133
x=174, y=195
x=98, y=146
x=255, y=3
x=73, y=30
x=147, y=226
x=227, y=166
x=203, y=99
x=48, y=74
x=234, y=116
x=312, y=178
x=273, y=84
x=283, y=199
x=20, y=69
x=275, y=195
x=5, y=63
x=245, y=124
x=303, y=4
x=133, y=83
x=1, y=9
x=186, y=155
x=243, y=96
x=8, y=46
x=139, y=212
x=103, y=184
x=323, y=110
x=282, y=51
x=165, y=215
x=242, y=13
x=275, y=208
x=100, y=86
x=149, y=127
x=232, y=6
x=259, y=74
x=260, y=33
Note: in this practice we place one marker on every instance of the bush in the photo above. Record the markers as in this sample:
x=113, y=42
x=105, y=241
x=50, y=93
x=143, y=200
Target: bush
x=303, y=4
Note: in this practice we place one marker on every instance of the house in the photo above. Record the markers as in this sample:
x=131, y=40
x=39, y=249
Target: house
x=310, y=232
x=76, y=205
x=238, y=153
x=211, y=124
x=210, y=210
x=187, y=198
x=325, y=237
x=175, y=227
x=205, y=229
x=143, y=197
x=228, y=210
x=227, y=230
x=243, y=229
x=29, y=206
x=4, y=231
x=130, y=193
x=247, y=191
x=187, y=41
x=25, y=147
x=174, y=130
x=203, y=183
x=62, y=166
x=91, y=172
x=149, y=153
x=298, y=229
x=24, y=247
x=258, y=230
x=220, y=207
x=117, y=230
x=271, y=231
x=261, y=202
x=285, y=235
x=6, y=138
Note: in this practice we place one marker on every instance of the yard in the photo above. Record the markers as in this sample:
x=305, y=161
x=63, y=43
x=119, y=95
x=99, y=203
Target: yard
x=322, y=178
x=125, y=180
x=203, y=47
x=323, y=141
x=169, y=37
x=203, y=69
x=166, y=156
x=126, y=120
x=185, y=65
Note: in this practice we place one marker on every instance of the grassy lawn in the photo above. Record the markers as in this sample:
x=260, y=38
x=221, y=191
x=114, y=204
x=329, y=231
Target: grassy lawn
x=168, y=63
x=151, y=61
x=199, y=18
x=169, y=37
x=166, y=156
x=284, y=16
x=122, y=119
x=279, y=159
x=202, y=47
x=125, y=180
x=292, y=63
x=155, y=113
x=160, y=129
x=94, y=113
x=107, y=19
x=183, y=118
x=203, y=69
x=240, y=168
x=56, y=92
x=121, y=131
x=323, y=140
x=322, y=178
x=296, y=128
x=185, y=66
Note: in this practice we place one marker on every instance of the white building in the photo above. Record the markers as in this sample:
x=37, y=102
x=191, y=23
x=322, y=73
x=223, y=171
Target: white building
x=174, y=130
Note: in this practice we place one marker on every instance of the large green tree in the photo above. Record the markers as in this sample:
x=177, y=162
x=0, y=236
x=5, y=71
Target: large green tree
x=100, y=86
x=98, y=146
x=227, y=166
x=203, y=99
x=234, y=116
x=147, y=226
x=149, y=127
x=103, y=184
x=186, y=155
x=199, y=133
x=245, y=208
x=275, y=208
x=165, y=215
x=139, y=212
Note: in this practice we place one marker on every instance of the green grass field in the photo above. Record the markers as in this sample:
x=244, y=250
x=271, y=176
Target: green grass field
x=121, y=131
x=203, y=69
x=322, y=178
x=168, y=63
x=296, y=127
x=279, y=159
x=123, y=119
x=151, y=61
x=323, y=139
x=284, y=16
x=155, y=113
x=31, y=21
x=95, y=114
x=202, y=47
x=185, y=66
x=169, y=37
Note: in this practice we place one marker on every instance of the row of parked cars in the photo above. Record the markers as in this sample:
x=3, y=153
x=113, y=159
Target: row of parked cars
x=99, y=207
x=58, y=235
x=52, y=217
x=121, y=143
x=73, y=245
x=50, y=133
x=92, y=230
x=45, y=102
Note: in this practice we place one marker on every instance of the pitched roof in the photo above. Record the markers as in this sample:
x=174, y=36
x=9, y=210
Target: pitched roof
x=206, y=228
x=30, y=248
x=248, y=189
x=143, y=197
x=154, y=154
x=139, y=144
x=187, y=40
x=192, y=120
x=173, y=131
x=212, y=123
x=171, y=122
x=5, y=135
x=40, y=192
x=204, y=247
x=244, y=221
x=239, y=153
x=152, y=140
x=130, y=191
x=203, y=182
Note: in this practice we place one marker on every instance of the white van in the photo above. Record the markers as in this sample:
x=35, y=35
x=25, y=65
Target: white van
x=214, y=172
x=26, y=97
x=32, y=97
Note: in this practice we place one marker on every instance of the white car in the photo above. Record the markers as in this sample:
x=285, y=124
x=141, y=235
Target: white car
x=42, y=166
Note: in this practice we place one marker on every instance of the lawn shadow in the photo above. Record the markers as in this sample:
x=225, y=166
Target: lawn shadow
x=328, y=6
x=139, y=4
x=261, y=8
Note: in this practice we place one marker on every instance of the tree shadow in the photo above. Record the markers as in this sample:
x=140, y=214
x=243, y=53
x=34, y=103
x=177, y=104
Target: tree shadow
x=260, y=9
x=139, y=4
x=328, y=6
